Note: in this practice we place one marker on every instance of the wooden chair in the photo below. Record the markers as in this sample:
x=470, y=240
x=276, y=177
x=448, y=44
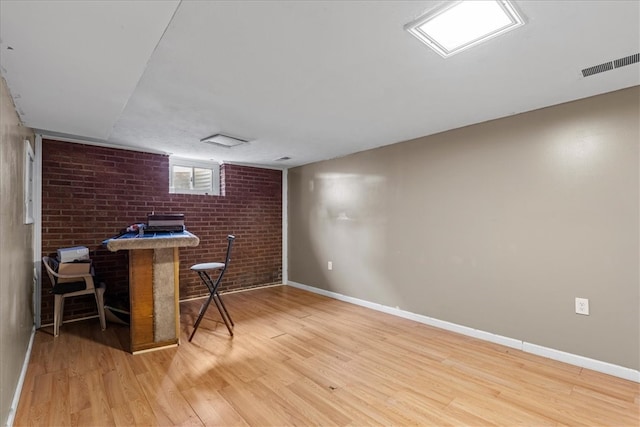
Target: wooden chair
x=212, y=286
x=71, y=285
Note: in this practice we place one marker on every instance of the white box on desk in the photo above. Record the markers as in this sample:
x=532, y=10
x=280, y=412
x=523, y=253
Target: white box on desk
x=77, y=253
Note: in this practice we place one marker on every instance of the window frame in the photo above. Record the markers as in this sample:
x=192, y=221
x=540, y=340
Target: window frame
x=200, y=164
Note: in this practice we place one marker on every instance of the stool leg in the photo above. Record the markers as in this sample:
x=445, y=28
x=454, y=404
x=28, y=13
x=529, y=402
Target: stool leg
x=57, y=314
x=215, y=296
x=203, y=309
x=99, y=294
x=224, y=318
x=206, y=279
x=225, y=309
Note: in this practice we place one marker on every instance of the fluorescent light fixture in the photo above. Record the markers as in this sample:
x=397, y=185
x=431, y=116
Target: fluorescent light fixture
x=459, y=25
x=224, y=140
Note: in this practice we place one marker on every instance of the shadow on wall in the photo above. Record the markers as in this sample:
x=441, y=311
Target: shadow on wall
x=348, y=226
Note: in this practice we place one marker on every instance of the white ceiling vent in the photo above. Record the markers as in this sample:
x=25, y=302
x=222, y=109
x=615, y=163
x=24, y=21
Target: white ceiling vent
x=631, y=59
x=607, y=66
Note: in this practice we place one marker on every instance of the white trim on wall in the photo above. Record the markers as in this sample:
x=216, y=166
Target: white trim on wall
x=285, y=227
x=37, y=231
x=550, y=353
x=23, y=373
x=29, y=173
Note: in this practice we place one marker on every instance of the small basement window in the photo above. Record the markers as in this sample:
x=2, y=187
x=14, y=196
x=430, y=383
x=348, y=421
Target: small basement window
x=193, y=177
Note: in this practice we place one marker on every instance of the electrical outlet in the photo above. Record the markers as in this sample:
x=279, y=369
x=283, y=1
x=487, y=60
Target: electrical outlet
x=582, y=306
x=329, y=265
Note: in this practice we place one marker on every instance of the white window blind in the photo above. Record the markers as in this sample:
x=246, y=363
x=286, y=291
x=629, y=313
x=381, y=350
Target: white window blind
x=193, y=177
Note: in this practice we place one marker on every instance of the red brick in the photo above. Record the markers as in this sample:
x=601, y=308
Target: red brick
x=90, y=193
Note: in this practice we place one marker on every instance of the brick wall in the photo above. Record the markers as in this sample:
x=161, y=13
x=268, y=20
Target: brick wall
x=90, y=193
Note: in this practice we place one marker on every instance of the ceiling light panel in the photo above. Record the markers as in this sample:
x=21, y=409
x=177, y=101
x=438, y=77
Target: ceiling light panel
x=224, y=140
x=456, y=26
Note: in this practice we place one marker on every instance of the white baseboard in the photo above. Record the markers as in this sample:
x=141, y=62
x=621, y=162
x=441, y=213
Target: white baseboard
x=78, y=319
x=584, y=362
x=232, y=292
x=550, y=353
x=23, y=374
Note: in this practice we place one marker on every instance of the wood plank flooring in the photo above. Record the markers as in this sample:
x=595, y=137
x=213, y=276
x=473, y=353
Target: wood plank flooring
x=298, y=358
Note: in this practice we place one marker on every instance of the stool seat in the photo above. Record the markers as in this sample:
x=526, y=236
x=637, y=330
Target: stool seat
x=207, y=266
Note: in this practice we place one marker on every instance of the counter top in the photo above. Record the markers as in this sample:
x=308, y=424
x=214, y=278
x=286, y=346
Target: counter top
x=151, y=241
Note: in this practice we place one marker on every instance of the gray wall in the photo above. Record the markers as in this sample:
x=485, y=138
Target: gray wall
x=16, y=253
x=496, y=226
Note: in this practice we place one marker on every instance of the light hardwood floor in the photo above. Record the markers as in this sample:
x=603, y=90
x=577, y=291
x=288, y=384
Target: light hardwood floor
x=298, y=358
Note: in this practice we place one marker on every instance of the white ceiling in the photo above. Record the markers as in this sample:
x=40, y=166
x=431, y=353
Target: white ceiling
x=311, y=80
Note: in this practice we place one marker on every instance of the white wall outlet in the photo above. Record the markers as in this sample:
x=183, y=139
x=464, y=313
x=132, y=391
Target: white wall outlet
x=329, y=265
x=582, y=306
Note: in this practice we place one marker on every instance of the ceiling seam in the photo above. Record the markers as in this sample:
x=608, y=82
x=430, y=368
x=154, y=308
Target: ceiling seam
x=173, y=15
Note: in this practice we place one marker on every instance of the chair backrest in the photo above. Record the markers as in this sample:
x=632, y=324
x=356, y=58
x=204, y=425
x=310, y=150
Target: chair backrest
x=72, y=272
x=47, y=262
x=230, y=238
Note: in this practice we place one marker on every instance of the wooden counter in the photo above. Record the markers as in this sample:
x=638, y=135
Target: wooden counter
x=153, y=286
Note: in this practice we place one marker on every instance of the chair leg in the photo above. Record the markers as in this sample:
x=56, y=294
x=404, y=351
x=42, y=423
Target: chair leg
x=215, y=296
x=222, y=314
x=99, y=294
x=58, y=306
x=203, y=309
x=60, y=321
x=225, y=309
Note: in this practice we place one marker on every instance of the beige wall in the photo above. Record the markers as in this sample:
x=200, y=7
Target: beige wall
x=16, y=253
x=496, y=226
